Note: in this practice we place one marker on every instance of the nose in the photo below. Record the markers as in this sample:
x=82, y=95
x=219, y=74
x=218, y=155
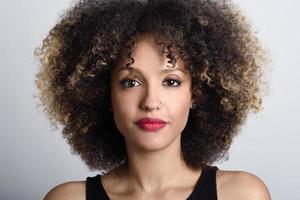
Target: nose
x=151, y=99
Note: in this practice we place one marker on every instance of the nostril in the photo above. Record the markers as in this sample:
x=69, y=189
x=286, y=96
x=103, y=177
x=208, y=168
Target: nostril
x=149, y=107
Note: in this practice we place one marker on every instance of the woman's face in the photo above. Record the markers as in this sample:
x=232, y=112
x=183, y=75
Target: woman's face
x=148, y=91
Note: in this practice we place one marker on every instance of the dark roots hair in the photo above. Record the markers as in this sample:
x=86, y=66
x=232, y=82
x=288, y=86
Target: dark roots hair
x=212, y=37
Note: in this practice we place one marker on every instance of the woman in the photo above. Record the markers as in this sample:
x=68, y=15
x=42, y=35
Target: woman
x=152, y=92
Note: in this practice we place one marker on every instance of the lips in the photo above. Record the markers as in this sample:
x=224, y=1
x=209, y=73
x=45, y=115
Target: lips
x=151, y=124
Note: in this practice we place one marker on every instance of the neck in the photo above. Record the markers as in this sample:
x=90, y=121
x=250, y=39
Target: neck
x=150, y=171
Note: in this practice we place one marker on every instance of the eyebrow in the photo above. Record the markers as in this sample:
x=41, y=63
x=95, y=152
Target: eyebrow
x=165, y=70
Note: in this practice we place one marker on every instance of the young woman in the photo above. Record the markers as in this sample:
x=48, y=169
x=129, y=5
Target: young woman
x=152, y=93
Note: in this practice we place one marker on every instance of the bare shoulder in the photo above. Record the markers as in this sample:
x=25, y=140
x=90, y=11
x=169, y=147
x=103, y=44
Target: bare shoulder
x=73, y=190
x=240, y=185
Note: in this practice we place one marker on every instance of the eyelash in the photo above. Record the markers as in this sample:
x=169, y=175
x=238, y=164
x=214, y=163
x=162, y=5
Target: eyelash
x=126, y=80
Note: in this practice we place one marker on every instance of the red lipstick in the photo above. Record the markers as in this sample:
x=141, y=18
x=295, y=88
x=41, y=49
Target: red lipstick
x=151, y=124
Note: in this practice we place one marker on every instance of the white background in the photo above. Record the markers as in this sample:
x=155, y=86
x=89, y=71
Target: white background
x=34, y=158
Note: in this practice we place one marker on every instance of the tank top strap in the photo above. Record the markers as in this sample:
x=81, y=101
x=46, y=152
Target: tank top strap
x=206, y=187
x=94, y=189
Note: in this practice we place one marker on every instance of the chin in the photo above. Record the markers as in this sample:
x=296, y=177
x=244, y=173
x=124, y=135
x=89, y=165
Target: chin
x=153, y=143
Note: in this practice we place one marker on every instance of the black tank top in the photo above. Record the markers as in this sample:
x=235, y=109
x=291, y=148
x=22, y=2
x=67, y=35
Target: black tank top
x=205, y=188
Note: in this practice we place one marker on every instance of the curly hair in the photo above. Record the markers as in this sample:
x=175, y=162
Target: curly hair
x=213, y=38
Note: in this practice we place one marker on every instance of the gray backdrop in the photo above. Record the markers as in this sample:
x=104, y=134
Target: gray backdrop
x=34, y=158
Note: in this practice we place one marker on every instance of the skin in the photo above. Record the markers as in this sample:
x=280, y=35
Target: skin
x=149, y=153
x=150, y=174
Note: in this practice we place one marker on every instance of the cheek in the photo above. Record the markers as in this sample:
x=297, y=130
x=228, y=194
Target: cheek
x=178, y=107
x=180, y=110
x=122, y=102
x=182, y=116
x=120, y=115
x=123, y=108
x=180, y=101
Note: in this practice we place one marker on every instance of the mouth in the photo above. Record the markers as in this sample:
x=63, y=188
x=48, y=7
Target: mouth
x=151, y=124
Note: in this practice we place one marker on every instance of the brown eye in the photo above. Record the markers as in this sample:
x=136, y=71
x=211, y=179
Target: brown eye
x=128, y=83
x=173, y=82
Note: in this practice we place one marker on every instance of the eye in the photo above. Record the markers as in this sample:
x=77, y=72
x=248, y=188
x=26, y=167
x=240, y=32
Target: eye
x=127, y=83
x=173, y=82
